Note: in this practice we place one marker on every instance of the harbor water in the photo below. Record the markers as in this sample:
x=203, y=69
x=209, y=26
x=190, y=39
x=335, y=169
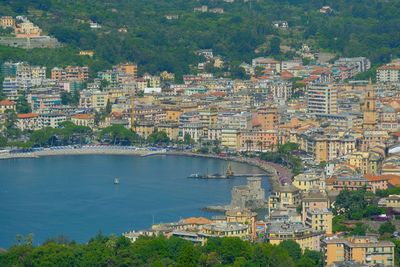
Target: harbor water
x=76, y=195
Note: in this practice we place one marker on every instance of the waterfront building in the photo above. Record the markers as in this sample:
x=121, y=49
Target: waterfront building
x=171, y=128
x=144, y=128
x=259, y=140
x=83, y=120
x=194, y=129
x=363, y=249
x=230, y=139
x=250, y=196
x=50, y=120
x=302, y=235
x=28, y=121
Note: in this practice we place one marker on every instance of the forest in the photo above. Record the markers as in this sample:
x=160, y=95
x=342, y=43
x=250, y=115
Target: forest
x=156, y=251
x=244, y=31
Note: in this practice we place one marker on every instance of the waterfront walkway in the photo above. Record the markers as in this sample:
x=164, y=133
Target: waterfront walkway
x=81, y=150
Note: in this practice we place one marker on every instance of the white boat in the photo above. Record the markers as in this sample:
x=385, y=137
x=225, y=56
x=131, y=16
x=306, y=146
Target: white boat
x=116, y=181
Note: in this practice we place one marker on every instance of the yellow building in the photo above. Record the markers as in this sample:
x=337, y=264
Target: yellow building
x=208, y=117
x=363, y=249
x=170, y=128
x=7, y=104
x=86, y=53
x=393, y=201
x=308, y=180
x=367, y=162
x=83, y=120
x=7, y=21
x=230, y=138
x=173, y=113
x=319, y=220
x=283, y=197
x=227, y=229
x=144, y=128
x=302, y=235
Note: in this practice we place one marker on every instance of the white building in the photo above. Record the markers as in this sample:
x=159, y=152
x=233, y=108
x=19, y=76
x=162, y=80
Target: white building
x=322, y=99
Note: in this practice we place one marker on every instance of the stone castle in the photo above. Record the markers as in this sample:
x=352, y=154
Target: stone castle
x=250, y=196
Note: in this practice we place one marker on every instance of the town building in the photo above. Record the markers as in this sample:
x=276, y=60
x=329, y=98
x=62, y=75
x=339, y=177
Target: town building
x=302, y=235
x=283, y=197
x=7, y=105
x=28, y=121
x=322, y=99
x=83, y=120
x=363, y=249
x=319, y=220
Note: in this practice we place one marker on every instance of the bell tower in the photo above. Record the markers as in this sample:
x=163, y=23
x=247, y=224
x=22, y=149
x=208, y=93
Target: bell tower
x=369, y=119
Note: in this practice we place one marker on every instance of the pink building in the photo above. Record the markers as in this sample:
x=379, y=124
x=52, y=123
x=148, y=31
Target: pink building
x=259, y=140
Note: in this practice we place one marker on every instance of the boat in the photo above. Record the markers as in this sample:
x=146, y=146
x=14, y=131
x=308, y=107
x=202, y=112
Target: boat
x=116, y=181
x=196, y=176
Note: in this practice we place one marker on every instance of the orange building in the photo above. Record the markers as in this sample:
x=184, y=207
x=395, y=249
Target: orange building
x=268, y=118
x=363, y=249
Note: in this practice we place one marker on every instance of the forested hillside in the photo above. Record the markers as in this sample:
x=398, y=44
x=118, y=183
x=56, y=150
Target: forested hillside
x=354, y=28
x=150, y=251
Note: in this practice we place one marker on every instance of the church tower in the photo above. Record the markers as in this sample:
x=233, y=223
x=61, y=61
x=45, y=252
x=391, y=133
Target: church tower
x=369, y=121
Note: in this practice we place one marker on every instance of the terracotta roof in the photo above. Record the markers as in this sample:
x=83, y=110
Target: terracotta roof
x=194, y=220
x=219, y=93
x=375, y=178
x=27, y=115
x=83, y=116
x=6, y=102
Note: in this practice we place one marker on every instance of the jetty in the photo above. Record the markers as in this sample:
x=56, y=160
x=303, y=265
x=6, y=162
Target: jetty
x=228, y=174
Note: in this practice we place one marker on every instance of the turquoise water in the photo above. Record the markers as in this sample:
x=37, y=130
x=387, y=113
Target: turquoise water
x=76, y=195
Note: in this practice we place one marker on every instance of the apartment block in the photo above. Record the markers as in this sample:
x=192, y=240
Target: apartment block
x=363, y=249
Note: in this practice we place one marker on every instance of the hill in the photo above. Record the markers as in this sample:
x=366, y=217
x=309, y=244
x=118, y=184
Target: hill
x=244, y=30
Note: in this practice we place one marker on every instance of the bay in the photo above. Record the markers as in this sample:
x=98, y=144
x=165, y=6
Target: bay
x=76, y=195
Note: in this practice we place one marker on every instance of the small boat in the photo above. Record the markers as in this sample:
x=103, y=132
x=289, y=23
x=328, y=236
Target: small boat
x=196, y=176
x=116, y=181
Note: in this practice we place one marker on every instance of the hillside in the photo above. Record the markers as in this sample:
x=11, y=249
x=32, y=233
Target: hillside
x=354, y=28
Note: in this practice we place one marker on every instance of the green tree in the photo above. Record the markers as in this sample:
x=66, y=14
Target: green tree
x=293, y=249
x=159, y=137
x=187, y=258
x=387, y=227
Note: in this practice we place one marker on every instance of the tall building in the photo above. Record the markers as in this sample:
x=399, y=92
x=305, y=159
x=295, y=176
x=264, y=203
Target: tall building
x=268, y=117
x=369, y=121
x=322, y=99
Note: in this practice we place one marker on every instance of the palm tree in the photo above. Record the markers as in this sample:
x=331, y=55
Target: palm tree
x=19, y=239
x=248, y=142
x=260, y=145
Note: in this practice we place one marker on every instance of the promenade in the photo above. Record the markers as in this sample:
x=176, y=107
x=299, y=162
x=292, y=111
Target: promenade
x=81, y=150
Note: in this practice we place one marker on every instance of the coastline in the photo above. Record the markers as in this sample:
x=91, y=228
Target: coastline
x=272, y=170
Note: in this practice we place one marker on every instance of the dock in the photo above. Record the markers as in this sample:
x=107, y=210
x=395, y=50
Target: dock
x=219, y=176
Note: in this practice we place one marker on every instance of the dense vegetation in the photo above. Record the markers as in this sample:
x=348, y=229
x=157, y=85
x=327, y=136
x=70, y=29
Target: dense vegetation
x=355, y=28
x=156, y=251
x=284, y=155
